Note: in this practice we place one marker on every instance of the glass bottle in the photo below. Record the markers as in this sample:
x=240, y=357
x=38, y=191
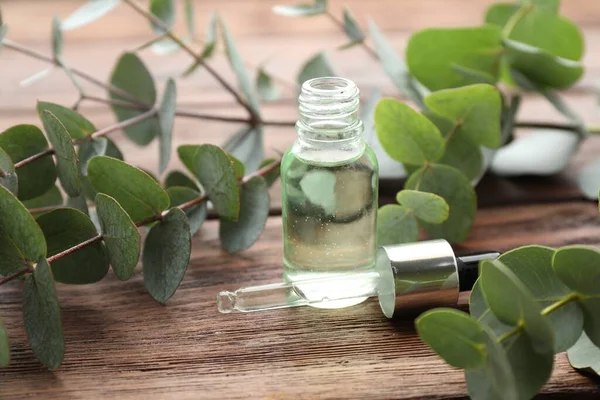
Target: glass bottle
x=329, y=180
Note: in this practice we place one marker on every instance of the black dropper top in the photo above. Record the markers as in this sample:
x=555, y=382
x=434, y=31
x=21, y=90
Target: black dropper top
x=468, y=267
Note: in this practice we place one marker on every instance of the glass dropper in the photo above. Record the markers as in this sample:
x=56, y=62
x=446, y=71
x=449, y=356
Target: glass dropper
x=406, y=276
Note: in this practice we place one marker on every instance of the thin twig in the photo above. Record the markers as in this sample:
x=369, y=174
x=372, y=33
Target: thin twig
x=546, y=125
x=40, y=210
x=14, y=275
x=75, y=248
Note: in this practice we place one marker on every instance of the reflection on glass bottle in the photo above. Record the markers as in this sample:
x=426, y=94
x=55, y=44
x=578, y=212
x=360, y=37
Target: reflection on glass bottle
x=330, y=186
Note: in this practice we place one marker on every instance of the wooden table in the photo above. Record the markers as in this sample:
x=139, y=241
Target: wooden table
x=120, y=343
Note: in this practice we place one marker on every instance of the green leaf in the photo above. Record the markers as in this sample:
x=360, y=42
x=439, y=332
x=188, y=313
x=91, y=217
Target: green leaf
x=437, y=57
x=394, y=66
x=210, y=42
x=177, y=178
x=131, y=75
x=189, y=18
x=21, y=142
x=247, y=145
x=428, y=207
x=579, y=268
x=165, y=11
x=475, y=111
x=588, y=179
x=513, y=304
x=89, y=12
x=456, y=336
x=64, y=228
x=138, y=193
x=76, y=124
x=406, y=135
x=317, y=66
x=120, y=236
x=463, y=155
x=351, y=27
x=265, y=86
x=52, y=197
x=21, y=239
x=89, y=149
x=187, y=155
x=585, y=355
x=238, y=167
x=216, y=174
x=495, y=380
x=166, y=255
x=302, y=10
x=41, y=314
x=8, y=175
x=254, y=210
x=591, y=317
x=166, y=116
x=456, y=189
x=67, y=163
x=273, y=175
x=196, y=214
x=396, y=225
x=4, y=347
x=57, y=38
x=239, y=68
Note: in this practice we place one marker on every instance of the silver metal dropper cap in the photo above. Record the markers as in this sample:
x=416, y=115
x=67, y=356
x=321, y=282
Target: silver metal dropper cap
x=417, y=276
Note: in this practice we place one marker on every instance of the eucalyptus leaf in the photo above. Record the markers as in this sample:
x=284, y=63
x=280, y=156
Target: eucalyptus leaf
x=21, y=142
x=89, y=149
x=189, y=18
x=57, y=39
x=456, y=336
x=166, y=255
x=8, y=174
x=351, y=27
x=196, y=214
x=273, y=175
x=406, y=135
x=302, y=10
x=247, y=145
x=210, y=42
x=164, y=10
x=394, y=66
x=67, y=164
x=254, y=210
x=64, y=228
x=138, y=193
x=238, y=167
x=239, y=68
x=76, y=124
x=433, y=55
x=396, y=225
x=588, y=179
x=265, y=86
x=475, y=111
x=78, y=203
x=544, y=152
x=52, y=197
x=479, y=309
x=428, y=207
x=590, y=306
x=166, y=116
x=454, y=187
x=578, y=267
x=4, y=347
x=317, y=66
x=41, y=314
x=585, y=355
x=113, y=151
x=120, y=235
x=131, y=75
x=21, y=240
x=463, y=155
x=89, y=12
x=177, y=178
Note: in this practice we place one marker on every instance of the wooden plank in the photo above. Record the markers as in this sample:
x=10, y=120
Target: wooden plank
x=120, y=343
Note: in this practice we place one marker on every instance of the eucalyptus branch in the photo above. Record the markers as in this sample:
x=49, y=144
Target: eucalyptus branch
x=75, y=248
x=340, y=24
x=14, y=275
x=255, y=118
x=100, y=133
x=550, y=125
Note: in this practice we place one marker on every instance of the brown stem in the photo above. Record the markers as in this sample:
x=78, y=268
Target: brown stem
x=39, y=210
x=340, y=24
x=14, y=275
x=102, y=132
x=546, y=125
x=75, y=248
x=156, y=21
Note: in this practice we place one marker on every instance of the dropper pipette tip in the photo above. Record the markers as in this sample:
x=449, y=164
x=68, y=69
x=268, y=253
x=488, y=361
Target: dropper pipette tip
x=226, y=301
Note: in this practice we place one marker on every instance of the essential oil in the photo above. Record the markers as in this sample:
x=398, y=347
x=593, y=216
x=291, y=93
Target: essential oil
x=329, y=190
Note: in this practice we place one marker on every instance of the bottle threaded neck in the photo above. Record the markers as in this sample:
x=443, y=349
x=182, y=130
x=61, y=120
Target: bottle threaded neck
x=329, y=109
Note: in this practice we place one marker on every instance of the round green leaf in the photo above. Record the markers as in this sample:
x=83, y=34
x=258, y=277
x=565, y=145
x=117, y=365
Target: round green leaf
x=21, y=239
x=131, y=75
x=513, y=304
x=590, y=307
x=65, y=228
x=67, y=163
x=463, y=155
x=88, y=12
x=21, y=142
x=165, y=11
x=120, y=236
x=254, y=211
x=266, y=87
x=406, y=135
x=317, y=66
x=396, y=225
x=435, y=56
x=475, y=111
x=166, y=255
x=196, y=214
x=138, y=193
x=426, y=206
x=585, y=355
x=302, y=10
x=8, y=175
x=456, y=336
x=187, y=155
x=456, y=189
x=41, y=314
x=166, y=116
x=177, y=178
x=76, y=124
x=4, y=347
x=272, y=176
x=579, y=268
x=52, y=197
